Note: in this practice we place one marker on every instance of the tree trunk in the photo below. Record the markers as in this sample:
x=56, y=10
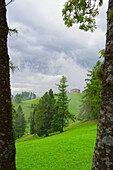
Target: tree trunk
x=62, y=123
x=7, y=146
x=103, y=154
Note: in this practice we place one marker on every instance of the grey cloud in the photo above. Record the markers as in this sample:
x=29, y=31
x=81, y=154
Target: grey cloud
x=45, y=46
x=38, y=82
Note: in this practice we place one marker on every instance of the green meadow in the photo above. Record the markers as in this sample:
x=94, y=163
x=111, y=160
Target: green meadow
x=74, y=103
x=71, y=150
x=26, y=106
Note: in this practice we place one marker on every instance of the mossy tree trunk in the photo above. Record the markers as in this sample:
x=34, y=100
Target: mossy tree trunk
x=7, y=145
x=103, y=154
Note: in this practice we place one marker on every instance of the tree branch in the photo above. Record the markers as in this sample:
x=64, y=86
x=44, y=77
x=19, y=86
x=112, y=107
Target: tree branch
x=9, y=2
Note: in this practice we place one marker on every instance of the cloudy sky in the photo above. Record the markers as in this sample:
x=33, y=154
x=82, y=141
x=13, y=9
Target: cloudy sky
x=45, y=49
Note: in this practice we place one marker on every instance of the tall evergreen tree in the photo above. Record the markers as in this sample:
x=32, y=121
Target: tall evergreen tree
x=56, y=122
x=52, y=107
x=103, y=158
x=7, y=145
x=63, y=114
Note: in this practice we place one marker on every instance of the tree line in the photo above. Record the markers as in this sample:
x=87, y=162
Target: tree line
x=23, y=96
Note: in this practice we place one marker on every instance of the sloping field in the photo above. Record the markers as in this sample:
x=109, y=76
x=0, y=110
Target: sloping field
x=74, y=104
x=26, y=106
x=70, y=150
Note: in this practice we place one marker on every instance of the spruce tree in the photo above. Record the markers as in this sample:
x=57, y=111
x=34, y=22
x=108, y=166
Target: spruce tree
x=44, y=113
x=19, y=110
x=19, y=123
x=56, y=122
x=63, y=114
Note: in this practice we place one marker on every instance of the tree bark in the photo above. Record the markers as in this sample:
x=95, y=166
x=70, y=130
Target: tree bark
x=103, y=154
x=7, y=145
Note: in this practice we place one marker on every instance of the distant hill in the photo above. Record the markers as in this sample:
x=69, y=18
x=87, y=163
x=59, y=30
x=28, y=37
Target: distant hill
x=74, y=104
x=27, y=106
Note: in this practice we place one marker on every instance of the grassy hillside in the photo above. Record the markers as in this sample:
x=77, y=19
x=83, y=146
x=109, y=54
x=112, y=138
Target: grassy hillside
x=70, y=150
x=73, y=106
x=75, y=101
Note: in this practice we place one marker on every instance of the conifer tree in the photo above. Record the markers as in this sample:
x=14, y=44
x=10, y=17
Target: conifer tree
x=32, y=123
x=19, y=110
x=92, y=94
x=56, y=122
x=44, y=113
x=62, y=115
x=19, y=123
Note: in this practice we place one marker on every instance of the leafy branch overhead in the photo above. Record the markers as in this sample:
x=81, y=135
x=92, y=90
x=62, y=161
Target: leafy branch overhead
x=12, y=31
x=82, y=12
x=12, y=67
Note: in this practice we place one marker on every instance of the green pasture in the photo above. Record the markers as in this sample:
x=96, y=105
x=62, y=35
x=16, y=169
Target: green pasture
x=70, y=150
x=74, y=103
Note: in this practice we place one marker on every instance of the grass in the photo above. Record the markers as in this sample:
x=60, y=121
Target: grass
x=26, y=106
x=70, y=150
x=74, y=104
